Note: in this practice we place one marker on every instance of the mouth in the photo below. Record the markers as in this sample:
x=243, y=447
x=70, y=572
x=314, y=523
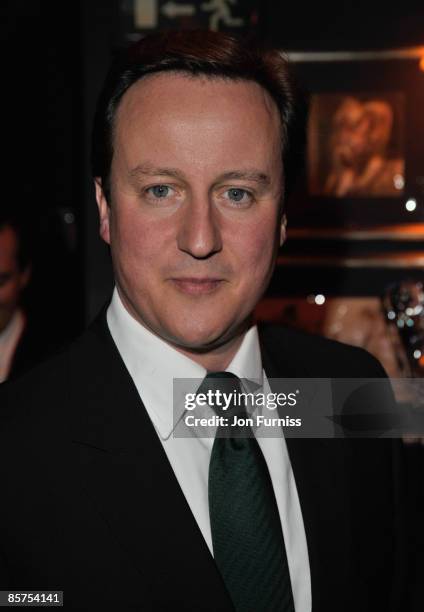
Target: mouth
x=197, y=286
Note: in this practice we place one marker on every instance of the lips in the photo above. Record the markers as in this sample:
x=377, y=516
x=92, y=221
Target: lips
x=197, y=286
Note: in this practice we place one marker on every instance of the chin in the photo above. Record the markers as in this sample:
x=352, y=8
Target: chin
x=199, y=338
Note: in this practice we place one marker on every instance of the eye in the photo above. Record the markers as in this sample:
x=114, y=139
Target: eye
x=236, y=194
x=159, y=191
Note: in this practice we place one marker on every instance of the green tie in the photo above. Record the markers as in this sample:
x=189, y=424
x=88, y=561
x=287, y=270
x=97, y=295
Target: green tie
x=247, y=539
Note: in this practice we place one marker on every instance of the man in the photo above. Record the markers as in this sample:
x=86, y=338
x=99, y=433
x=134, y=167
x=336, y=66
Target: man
x=191, y=161
x=27, y=335
x=16, y=348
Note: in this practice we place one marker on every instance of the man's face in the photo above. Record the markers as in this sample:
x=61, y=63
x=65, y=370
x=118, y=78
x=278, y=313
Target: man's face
x=12, y=279
x=194, y=220
x=351, y=142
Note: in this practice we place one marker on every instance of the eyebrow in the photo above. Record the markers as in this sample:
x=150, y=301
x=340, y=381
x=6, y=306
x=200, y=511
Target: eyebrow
x=254, y=176
x=149, y=170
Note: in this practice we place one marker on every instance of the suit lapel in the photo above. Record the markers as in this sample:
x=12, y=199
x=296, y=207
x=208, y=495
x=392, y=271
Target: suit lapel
x=125, y=472
x=320, y=476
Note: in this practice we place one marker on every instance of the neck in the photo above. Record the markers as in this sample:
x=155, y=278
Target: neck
x=6, y=318
x=215, y=360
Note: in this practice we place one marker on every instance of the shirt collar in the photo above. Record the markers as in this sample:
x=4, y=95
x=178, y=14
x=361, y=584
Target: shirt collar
x=13, y=328
x=9, y=339
x=153, y=365
x=247, y=362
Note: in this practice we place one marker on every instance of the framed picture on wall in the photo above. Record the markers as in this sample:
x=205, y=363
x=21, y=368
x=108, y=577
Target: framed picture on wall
x=364, y=165
x=356, y=145
x=360, y=201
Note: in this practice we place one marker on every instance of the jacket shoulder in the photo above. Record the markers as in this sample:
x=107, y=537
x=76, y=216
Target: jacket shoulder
x=317, y=356
x=42, y=392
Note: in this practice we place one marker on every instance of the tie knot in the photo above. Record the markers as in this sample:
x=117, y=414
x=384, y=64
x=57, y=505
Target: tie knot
x=224, y=393
x=225, y=382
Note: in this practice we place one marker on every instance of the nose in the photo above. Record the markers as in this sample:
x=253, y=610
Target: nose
x=199, y=233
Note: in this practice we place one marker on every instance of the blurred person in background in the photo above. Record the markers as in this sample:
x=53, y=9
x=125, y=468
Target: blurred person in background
x=27, y=332
x=16, y=349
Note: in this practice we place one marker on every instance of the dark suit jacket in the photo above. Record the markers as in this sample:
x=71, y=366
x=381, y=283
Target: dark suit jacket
x=91, y=506
x=37, y=342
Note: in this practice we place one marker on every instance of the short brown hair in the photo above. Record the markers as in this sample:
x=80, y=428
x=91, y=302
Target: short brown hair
x=197, y=52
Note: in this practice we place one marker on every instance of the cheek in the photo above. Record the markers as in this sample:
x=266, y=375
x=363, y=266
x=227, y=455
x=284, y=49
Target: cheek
x=137, y=245
x=257, y=247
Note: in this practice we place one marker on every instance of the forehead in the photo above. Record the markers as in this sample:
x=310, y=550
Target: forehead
x=206, y=114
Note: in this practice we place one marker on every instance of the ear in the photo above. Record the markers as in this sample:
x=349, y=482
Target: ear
x=104, y=210
x=283, y=228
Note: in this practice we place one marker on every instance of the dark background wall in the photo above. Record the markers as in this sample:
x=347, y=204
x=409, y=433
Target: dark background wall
x=348, y=24
x=53, y=59
x=41, y=141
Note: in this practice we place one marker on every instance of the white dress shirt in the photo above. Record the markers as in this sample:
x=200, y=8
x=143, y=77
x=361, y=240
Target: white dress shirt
x=153, y=365
x=9, y=339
